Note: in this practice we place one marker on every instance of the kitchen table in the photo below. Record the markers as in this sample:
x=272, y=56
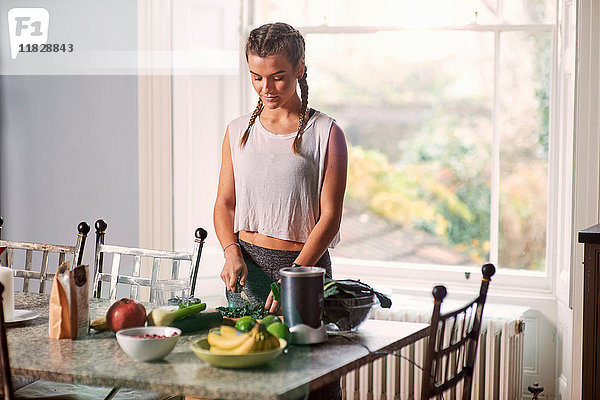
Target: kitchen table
x=98, y=359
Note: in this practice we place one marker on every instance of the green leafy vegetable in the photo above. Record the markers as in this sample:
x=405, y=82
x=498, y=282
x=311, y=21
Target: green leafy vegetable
x=276, y=289
x=191, y=302
x=349, y=288
x=256, y=311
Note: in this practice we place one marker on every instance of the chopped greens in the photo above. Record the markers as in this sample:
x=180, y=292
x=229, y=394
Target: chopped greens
x=256, y=311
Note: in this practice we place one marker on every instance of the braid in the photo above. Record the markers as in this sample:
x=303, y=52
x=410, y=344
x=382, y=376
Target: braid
x=255, y=114
x=302, y=120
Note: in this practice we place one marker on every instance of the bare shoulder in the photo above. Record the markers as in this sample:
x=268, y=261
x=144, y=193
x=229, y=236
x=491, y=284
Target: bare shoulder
x=336, y=131
x=337, y=139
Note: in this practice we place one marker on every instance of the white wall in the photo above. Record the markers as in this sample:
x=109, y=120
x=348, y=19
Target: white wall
x=68, y=153
x=68, y=142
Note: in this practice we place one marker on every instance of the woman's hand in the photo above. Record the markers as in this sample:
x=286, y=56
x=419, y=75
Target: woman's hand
x=272, y=305
x=234, y=268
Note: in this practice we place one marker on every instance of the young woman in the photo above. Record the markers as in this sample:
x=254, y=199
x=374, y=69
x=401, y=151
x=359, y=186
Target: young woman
x=283, y=173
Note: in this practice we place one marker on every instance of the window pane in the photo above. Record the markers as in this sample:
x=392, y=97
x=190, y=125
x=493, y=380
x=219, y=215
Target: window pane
x=524, y=96
x=416, y=109
x=529, y=11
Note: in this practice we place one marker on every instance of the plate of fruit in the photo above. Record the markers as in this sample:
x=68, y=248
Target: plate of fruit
x=230, y=347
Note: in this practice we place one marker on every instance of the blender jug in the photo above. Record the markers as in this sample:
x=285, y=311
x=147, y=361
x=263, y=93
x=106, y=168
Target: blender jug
x=302, y=303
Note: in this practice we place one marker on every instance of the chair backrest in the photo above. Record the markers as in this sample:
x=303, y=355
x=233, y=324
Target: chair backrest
x=4, y=360
x=452, y=343
x=129, y=273
x=28, y=271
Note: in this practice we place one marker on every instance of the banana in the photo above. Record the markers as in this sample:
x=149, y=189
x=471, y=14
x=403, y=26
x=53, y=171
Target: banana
x=249, y=347
x=230, y=341
x=265, y=337
x=260, y=344
x=226, y=342
x=272, y=343
x=99, y=324
x=268, y=341
x=228, y=331
x=245, y=348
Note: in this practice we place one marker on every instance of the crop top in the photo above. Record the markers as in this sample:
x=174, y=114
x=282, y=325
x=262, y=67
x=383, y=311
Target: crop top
x=277, y=192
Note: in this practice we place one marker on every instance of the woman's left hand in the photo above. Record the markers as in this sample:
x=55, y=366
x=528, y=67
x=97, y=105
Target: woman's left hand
x=272, y=305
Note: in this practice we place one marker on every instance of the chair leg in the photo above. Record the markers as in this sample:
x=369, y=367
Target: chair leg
x=112, y=393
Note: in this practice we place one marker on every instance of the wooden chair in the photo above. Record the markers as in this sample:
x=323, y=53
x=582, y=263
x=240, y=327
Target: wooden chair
x=452, y=343
x=54, y=390
x=129, y=274
x=7, y=388
x=30, y=389
x=28, y=272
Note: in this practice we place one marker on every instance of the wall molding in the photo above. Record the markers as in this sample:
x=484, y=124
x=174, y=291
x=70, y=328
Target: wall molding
x=532, y=339
x=155, y=125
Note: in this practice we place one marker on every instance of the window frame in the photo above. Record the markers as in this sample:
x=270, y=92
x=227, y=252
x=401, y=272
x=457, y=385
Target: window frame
x=509, y=281
x=422, y=275
x=578, y=208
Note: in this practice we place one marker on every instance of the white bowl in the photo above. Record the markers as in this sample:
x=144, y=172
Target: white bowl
x=148, y=349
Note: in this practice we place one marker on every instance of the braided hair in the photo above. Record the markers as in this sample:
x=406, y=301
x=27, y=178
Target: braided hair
x=269, y=40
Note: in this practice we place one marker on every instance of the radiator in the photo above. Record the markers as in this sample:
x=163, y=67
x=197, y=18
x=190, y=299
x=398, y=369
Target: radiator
x=498, y=365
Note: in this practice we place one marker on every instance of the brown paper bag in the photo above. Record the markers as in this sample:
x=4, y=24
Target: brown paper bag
x=69, y=303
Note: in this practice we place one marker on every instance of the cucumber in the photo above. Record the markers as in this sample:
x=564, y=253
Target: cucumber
x=198, y=322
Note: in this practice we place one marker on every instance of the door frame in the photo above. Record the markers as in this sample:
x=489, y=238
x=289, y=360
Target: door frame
x=155, y=125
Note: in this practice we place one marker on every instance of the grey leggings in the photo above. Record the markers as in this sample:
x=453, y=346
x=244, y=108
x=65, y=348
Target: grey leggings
x=263, y=269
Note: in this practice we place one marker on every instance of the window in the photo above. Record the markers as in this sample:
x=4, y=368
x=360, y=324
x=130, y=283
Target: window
x=446, y=110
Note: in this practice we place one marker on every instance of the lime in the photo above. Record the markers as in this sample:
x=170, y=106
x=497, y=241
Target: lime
x=245, y=323
x=247, y=318
x=280, y=330
x=269, y=319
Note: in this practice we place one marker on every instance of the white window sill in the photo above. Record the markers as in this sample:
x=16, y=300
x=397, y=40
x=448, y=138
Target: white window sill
x=508, y=286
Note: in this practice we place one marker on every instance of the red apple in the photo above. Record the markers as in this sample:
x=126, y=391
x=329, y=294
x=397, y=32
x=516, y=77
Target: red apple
x=125, y=313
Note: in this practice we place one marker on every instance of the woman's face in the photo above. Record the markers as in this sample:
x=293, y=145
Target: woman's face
x=274, y=78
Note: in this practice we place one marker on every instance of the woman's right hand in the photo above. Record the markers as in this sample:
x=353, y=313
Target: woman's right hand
x=234, y=268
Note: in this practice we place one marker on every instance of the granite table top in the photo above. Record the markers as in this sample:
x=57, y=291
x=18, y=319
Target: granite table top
x=99, y=361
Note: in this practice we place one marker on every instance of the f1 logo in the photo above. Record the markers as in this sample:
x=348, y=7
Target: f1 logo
x=27, y=26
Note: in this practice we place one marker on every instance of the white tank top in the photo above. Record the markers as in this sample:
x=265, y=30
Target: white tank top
x=276, y=191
